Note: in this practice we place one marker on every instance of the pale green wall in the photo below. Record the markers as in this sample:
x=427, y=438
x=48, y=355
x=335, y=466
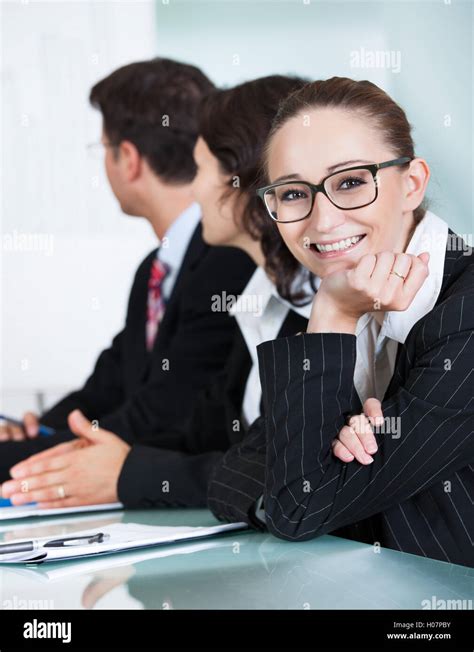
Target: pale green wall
x=237, y=40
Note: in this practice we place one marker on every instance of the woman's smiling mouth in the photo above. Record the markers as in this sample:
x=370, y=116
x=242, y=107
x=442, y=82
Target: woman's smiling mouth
x=336, y=248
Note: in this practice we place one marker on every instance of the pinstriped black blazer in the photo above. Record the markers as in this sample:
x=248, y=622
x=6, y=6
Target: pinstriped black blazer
x=417, y=495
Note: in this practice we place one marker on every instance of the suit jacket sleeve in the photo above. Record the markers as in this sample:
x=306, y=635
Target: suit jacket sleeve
x=307, y=384
x=103, y=391
x=238, y=478
x=155, y=477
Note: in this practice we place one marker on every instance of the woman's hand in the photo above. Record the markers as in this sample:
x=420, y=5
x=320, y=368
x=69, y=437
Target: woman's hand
x=374, y=284
x=76, y=473
x=356, y=440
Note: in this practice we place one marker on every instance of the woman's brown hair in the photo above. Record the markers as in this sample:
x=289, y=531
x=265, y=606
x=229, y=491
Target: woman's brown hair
x=235, y=124
x=361, y=97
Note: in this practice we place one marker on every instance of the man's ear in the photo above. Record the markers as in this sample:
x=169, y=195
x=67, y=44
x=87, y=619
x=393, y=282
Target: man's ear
x=416, y=181
x=130, y=160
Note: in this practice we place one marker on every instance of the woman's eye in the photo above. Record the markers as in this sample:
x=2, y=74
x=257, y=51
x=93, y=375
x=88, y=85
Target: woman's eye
x=350, y=183
x=292, y=195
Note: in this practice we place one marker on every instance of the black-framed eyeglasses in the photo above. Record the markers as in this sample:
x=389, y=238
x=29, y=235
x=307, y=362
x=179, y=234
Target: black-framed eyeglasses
x=348, y=189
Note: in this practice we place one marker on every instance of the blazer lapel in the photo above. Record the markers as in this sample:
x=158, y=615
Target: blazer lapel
x=137, y=357
x=196, y=249
x=454, y=264
x=194, y=253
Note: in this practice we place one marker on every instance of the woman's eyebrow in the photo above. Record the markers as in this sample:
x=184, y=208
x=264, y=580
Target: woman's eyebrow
x=293, y=175
x=330, y=168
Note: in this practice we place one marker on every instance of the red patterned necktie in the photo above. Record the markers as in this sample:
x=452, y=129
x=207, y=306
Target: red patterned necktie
x=156, y=303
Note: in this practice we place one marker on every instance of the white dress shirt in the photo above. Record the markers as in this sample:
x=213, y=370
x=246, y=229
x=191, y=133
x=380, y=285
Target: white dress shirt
x=260, y=312
x=174, y=244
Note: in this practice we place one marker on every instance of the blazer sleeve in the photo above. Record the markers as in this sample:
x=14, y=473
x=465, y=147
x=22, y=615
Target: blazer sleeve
x=307, y=384
x=154, y=477
x=103, y=391
x=237, y=480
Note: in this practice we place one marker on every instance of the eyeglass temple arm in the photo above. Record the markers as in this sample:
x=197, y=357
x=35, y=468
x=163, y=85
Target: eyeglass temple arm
x=398, y=161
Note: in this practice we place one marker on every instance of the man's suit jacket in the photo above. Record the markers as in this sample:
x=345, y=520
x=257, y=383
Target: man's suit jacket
x=149, y=397
x=416, y=496
x=152, y=476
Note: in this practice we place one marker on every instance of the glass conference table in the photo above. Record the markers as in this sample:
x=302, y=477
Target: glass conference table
x=237, y=570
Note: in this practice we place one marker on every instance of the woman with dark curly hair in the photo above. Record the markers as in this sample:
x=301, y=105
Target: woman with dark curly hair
x=229, y=152
x=234, y=126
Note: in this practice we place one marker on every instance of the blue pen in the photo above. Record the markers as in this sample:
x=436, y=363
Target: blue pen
x=43, y=431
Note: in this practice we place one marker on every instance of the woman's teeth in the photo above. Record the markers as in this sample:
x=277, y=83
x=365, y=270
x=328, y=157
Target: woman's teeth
x=341, y=245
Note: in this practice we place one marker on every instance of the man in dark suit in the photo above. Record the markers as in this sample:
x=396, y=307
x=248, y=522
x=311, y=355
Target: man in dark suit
x=173, y=343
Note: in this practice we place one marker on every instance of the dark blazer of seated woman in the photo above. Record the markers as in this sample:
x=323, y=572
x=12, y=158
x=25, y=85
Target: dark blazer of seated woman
x=416, y=495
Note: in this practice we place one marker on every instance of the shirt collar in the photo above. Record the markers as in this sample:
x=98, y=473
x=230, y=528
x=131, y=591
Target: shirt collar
x=263, y=290
x=176, y=240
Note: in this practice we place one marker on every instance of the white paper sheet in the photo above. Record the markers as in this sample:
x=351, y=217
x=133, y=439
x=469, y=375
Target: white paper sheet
x=121, y=537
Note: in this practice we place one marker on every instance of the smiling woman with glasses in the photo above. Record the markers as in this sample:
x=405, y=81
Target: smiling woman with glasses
x=391, y=322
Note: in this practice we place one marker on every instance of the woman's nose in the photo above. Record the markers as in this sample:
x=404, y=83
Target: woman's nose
x=325, y=217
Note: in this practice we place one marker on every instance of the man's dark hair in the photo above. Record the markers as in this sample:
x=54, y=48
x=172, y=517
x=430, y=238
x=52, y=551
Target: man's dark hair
x=154, y=104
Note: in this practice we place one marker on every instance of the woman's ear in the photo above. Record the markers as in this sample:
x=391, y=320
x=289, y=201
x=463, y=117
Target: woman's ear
x=416, y=181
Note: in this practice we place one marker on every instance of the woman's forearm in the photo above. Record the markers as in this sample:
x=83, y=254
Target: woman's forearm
x=327, y=318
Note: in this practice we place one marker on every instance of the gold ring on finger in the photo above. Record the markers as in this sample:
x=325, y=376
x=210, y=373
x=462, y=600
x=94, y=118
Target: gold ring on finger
x=398, y=274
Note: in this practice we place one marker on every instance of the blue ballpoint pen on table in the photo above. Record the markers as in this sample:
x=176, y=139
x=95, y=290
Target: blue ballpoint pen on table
x=43, y=431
